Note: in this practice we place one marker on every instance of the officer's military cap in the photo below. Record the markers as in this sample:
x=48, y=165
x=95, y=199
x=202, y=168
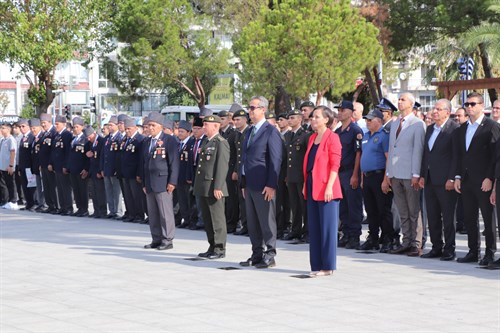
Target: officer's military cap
x=212, y=119
x=46, y=117
x=270, y=115
x=78, y=121
x=156, y=117
x=198, y=122
x=283, y=115
x=22, y=121
x=374, y=114
x=205, y=112
x=113, y=120
x=121, y=118
x=185, y=125
x=223, y=114
x=35, y=122
x=240, y=113
x=60, y=119
x=295, y=112
x=235, y=107
x=168, y=123
x=307, y=103
x=386, y=104
x=88, y=130
x=345, y=105
x=129, y=122
x=416, y=105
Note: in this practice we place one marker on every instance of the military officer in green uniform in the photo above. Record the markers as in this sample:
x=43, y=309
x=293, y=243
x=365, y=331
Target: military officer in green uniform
x=210, y=186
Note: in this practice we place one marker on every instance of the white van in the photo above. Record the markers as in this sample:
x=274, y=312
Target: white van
x=180, y=112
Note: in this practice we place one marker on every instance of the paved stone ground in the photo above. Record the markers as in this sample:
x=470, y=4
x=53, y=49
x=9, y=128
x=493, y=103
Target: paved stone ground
x=68, y=274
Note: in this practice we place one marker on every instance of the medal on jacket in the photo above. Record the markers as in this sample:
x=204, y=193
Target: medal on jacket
x=95, y=154
x=26, y=145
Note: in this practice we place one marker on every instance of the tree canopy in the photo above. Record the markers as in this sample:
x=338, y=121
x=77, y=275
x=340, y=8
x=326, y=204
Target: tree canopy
x=37, y=35
x=307, y=47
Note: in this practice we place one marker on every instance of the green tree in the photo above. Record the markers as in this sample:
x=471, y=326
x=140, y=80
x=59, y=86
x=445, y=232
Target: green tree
x=166, y=43
x=37, y=35
x=308, y=46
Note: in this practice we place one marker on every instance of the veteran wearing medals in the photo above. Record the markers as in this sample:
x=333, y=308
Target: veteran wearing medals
x=210, y=186
x=160, y=172
x=78, y=167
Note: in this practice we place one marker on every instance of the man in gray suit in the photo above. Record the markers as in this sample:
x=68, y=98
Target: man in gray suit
x=406, y=143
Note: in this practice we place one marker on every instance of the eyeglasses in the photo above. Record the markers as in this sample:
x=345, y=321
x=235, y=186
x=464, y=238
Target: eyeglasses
x=440, y=109
x=253, y=108
x=471, y=104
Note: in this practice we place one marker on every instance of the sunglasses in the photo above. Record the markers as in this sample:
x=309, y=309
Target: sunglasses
x=471, y=104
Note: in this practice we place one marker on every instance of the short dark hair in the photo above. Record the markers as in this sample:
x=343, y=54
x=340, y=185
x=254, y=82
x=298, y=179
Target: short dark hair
x=476, y=95
x=327, y=113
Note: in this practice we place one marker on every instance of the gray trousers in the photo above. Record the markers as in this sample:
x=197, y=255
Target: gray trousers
x=113, y=195
x=39, y=195
x=407, y=201
x=161, y=217
x=261, y=221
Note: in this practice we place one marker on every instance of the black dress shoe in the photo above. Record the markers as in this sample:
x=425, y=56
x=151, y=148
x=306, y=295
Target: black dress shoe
x=469, y=257
x=386, y=247
x=128, y=219
x=242, y=232
x=216, y=255
x=54, y=211
x=447, y=256
x=93, y=215
x=494, y=265
x=184, y=225
x=266, y=263
x=111, y=216
x=205, y=254
x=400, y=250
x=343, y=241
x=432, y=254
x=250, y=262
x=231, y=230
x=353, y=243
x=83, y=214
x=369, y=244
x=77, y=213
x=291, y=236
x=487, y=259
x=164, y=246
x=152, y=245
x=66, y=213
x=414, y=252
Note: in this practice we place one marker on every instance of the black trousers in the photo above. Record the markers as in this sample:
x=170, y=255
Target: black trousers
x=298, y=209
x=231, y=205
x=441, y=216
x=19, y=184
x=133, y=197
x=378, y=208
x=184, y=198
x=63, y=184
x=29, y=192
x=9, y=185
x=80, y=192
x=98, y=194
x=474, y=199
x=49, y=188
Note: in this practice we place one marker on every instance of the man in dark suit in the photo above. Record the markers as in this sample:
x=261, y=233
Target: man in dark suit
x=210, y=186
x=48, y=176
x=437, y=176
x=160, y=172
x=98, y=191
x=79, y=165
x=59, y=163
x=130, y=159
x=231, y=202
x=496, y=188
x=199, y=139
x=261, y=161
x=475, y=173
x=185, y=180
x=36, y=129
x=24, y=153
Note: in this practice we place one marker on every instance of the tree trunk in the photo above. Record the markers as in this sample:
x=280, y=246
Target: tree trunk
x=377, y=83
x=282, y=101
x=487, y=71
x=358, y=91
x=371, y=86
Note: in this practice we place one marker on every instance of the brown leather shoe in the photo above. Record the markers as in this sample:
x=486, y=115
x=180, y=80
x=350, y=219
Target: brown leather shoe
x=414, y=252
x=400, y=250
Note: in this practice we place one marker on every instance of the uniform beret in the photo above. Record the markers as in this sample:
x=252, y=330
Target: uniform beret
x=113, y=120
x=212, y=119
x=295, y=112
x=307, y=103
x=88, y=130
x=35, y=122
x=240, y=113
x=283, y=115
x=60, y=119
x=270, y=115
x=78, y=121
x=45, y=117
x=198, y=122
x=156, y=117
x=185, y=125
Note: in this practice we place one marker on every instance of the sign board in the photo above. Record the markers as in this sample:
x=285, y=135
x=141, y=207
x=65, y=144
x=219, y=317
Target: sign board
x=223, y=92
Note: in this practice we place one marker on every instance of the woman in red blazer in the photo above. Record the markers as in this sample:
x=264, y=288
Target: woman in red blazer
x=322, y=192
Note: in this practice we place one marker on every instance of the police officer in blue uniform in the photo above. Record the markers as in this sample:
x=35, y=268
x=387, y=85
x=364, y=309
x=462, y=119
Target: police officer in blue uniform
x=185, y=181
x=48, y=176
x=79, y=165
x=130, y=160
x=387, y=108
x=59, y=163
x=375, y=146
x=351, y=206
x=98, y=191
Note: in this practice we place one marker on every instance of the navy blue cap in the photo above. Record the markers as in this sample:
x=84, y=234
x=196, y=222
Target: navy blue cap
x=307, y=103
x=386, y=104
x=185, y=125
x=416, y=105
x=374, y=114
x=345, y=105
x=198, y=122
